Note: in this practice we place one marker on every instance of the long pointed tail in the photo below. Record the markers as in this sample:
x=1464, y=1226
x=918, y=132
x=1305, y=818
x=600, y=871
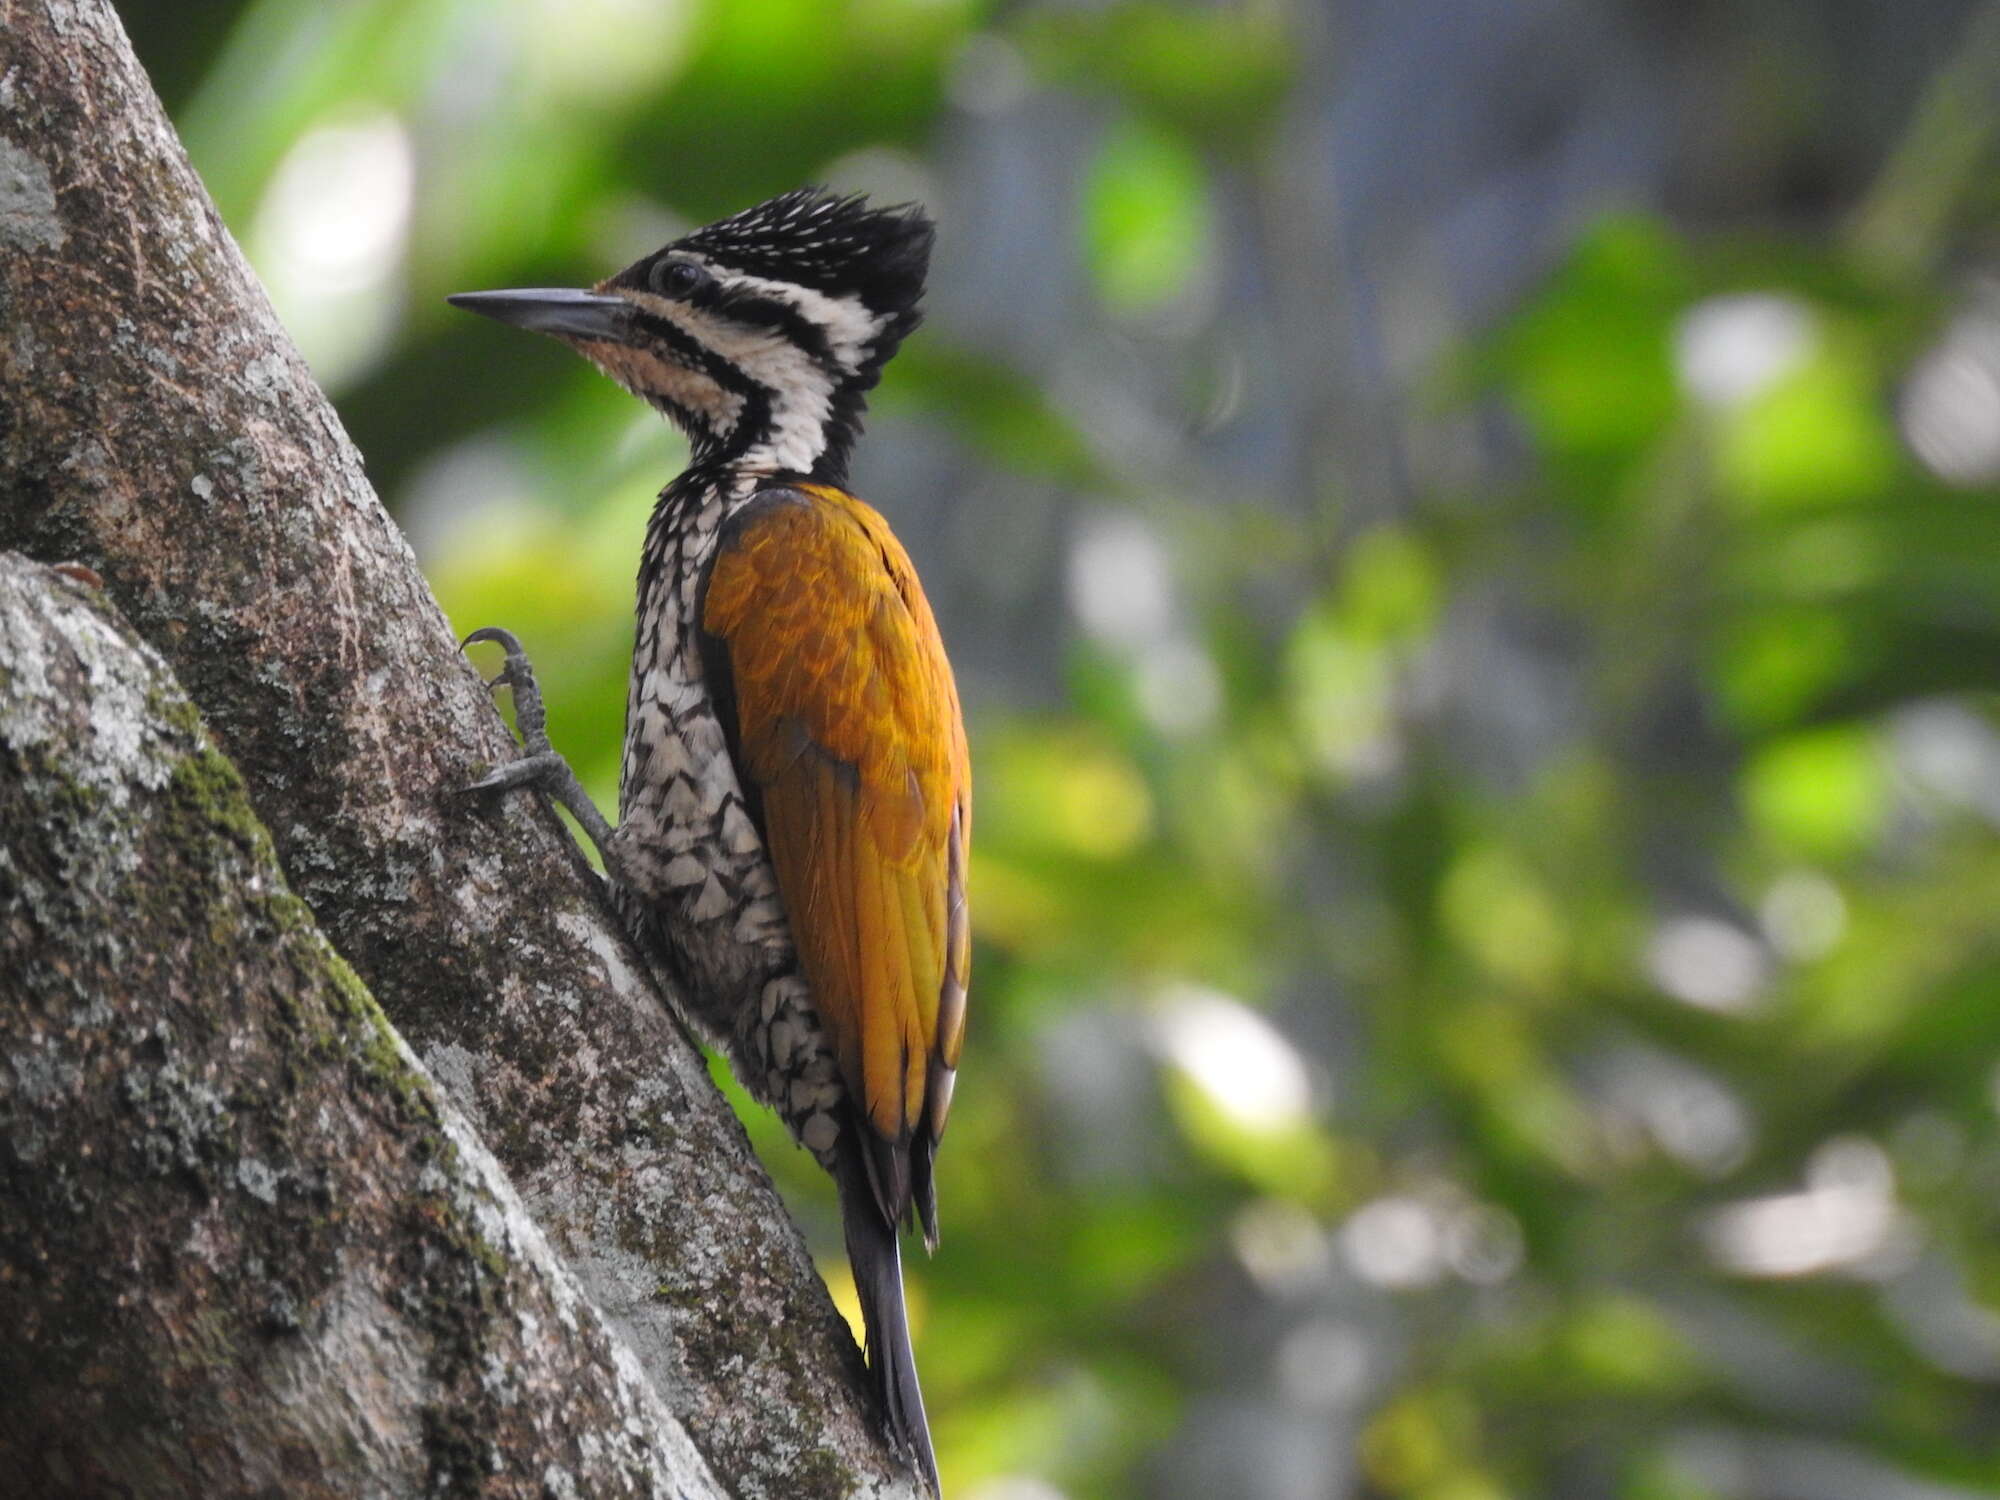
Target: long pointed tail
x=878, y=1278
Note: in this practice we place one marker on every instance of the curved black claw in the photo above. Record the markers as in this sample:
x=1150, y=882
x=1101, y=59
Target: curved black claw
x=541, y=767
x=518, y=675
x=499, y=633
x=507, y=640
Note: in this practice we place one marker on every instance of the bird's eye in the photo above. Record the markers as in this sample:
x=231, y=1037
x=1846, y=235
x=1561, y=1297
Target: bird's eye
x=676, y=278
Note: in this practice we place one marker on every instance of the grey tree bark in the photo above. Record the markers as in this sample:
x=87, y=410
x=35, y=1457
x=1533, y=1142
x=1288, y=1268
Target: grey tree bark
x=156, y=424
x=247, y=1247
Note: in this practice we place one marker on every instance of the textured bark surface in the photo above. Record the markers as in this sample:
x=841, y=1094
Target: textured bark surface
x=246, y=1246
x=156, y=424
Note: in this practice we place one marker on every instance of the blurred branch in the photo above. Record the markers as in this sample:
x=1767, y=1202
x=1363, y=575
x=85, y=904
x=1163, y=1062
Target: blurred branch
x=1903, y=223
x=245, y=1244
x=160, y=426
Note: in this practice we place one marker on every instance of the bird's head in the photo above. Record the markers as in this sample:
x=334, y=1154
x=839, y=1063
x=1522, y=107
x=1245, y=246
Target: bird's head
x=760, y=334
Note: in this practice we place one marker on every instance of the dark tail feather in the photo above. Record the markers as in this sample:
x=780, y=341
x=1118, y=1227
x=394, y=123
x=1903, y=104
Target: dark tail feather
x=923, y=1187
x=878, y=1278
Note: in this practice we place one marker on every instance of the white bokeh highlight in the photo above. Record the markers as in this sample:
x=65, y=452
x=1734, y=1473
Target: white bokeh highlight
x=329, y=240
x=1729, y=350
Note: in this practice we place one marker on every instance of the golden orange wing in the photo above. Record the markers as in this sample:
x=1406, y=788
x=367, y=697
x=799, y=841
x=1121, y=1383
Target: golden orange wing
x=847, y=731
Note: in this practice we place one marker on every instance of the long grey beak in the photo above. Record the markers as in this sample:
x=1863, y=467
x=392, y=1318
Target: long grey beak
x=557, y=310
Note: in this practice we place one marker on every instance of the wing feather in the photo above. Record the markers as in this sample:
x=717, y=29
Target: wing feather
x=847, y=727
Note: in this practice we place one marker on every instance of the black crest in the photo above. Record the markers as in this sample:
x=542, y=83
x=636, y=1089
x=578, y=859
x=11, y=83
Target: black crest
x=834, y=243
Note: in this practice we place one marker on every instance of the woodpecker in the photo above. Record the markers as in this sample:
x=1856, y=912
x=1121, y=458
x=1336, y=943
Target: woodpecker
x=794, y=806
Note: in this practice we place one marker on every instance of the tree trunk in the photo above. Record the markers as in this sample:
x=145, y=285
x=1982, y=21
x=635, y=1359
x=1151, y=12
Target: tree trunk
x=156, y=423
x=247, y=1247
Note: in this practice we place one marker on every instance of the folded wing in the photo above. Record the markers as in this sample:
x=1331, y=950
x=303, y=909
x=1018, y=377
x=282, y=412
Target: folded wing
x=845, y=724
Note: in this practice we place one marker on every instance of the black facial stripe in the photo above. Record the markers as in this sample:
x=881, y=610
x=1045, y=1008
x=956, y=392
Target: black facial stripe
x=752, y=426
x=756, y=310
x=775, y=312
x=694, y=354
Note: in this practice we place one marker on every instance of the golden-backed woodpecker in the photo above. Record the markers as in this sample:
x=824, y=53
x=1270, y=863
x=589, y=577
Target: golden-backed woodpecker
x=795, y=804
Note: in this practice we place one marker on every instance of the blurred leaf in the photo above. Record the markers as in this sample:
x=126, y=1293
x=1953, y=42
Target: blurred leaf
x=1821, y=435
x=1390, y=588
x=1218, y=74
x=1820, y=793
x=772, y=92
x=1619, y=1341
x=1776, y=665
x=1590, y=362
x=1068, y=791
x=1146, y=219
x=1501, y=912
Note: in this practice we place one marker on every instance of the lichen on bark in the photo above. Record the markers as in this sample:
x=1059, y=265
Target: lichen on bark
x=247, y=1247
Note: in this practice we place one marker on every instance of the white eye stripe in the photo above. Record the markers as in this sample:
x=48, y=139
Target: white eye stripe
x=846, y=322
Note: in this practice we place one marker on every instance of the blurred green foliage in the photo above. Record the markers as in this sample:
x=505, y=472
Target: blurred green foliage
x=1502, y=986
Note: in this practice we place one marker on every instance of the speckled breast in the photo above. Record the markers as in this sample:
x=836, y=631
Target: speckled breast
x=695, y=870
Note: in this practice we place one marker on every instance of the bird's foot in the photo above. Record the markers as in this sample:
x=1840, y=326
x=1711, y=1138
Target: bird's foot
x=542, y=767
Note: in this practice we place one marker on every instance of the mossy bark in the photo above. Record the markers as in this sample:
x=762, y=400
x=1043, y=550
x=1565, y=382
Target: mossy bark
x=156, y=424
x=245, y=1246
